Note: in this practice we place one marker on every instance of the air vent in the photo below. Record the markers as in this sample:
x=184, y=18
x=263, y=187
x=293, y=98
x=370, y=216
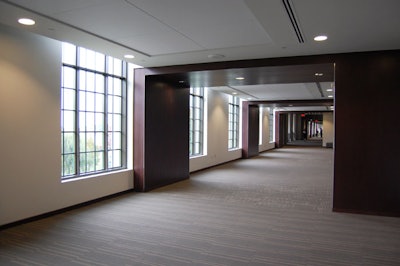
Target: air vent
x=293, y=20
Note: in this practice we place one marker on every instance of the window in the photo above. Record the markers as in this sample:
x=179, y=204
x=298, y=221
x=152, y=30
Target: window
x=196, y=121
x=260, y=125
x=233, y=130
x=93, y=111
x=271, y=124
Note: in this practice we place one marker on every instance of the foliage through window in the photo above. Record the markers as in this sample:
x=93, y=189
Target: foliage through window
x=233, y=131
x=93, y=111
x=196, y=121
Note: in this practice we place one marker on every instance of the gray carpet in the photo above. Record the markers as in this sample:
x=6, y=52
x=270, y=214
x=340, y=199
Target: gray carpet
x=274, y=209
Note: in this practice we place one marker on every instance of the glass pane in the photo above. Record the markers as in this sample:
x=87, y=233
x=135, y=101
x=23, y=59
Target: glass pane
x=90, y=161
x=197, y=124
x=117, y=67
x=68, y=164
x=99, y=141
x=68, y=77
x=90, y=59
x=82, y=121
x=99, y=122
x=90, y=142
x=99, y=102
x=100, y=61
x=110, y=103
x=99, y=83
x=90, y=81
x=117, y=123
x=82, y=80
x=69, y=142
x=82, y=57
x=82, y=100
x=196, y=148
x=82, y=163
x=117, y=105
x=110, y=65
x=68, y=53
x=196, y=136
x=110, y=159
x=116, y=158
x=82, y=142
x=90, y=121
x=117, y=87
x=90, y=101
x=68, y=121
x=99, y=161
x=116, y=140
x=68, y=99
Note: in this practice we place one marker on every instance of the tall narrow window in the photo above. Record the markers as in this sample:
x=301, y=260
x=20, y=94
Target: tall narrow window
x=196, y=121
x=93, y=111
x=233, y=130
x=271, y=124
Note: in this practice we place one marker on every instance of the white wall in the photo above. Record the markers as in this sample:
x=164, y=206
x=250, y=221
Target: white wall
x=30, y=163
x=328, y=126
x=217, y=134
x=265, y=145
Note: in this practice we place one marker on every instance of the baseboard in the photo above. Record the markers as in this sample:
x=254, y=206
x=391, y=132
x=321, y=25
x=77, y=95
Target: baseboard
x=66, y=209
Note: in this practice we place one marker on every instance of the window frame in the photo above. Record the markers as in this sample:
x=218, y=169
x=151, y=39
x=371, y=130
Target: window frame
x=233, y=122
x=82, y=111
x=196, y=122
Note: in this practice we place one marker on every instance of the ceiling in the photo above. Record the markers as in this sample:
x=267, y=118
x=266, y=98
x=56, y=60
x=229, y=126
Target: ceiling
x=175, y=32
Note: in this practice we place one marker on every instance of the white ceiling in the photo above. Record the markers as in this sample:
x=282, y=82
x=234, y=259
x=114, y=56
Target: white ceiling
x=173, y=32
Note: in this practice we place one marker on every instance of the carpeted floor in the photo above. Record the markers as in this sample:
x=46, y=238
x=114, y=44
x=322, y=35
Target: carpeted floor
x=274, y=209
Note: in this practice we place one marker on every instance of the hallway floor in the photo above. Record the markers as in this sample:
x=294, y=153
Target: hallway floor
x=273, y=209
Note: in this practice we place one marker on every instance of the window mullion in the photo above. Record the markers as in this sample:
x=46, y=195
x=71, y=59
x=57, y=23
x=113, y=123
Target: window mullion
x=106, y=116
x=77, y=112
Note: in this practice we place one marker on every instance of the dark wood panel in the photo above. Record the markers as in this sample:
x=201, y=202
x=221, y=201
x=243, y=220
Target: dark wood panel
x=250, y=130
x=367, y=172
x=166, y=133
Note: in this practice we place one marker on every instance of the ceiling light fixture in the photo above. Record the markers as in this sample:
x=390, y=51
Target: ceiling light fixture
x=234, y=93
x=319, y=74
x=329, y=90
x=26, y=21
x=330, y=96
x=129, y=56
x=240, y=78
x=320, y=38
x=216, y=56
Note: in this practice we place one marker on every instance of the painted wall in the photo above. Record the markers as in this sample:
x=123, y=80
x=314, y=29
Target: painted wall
x=217, y=134
x=328, y=126
x=265, y=145
x=30, y=182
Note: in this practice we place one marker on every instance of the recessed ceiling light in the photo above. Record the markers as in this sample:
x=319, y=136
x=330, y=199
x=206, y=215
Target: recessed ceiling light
x=26, y=21
x=320, y=38
x=240, y=78
x=330, y=96
x=129, y=56
x=329, y=90
x=319, y=74
x=215, y=56
x=234, y=93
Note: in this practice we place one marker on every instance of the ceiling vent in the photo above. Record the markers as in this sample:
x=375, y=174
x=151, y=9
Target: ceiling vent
x=293, y=20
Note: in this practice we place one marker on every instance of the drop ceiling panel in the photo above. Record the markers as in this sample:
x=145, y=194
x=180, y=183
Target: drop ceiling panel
x=211, y=24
